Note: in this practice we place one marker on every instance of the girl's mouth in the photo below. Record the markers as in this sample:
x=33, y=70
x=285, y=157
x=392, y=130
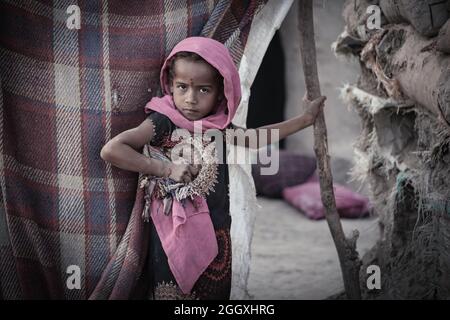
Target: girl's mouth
x=189, y=111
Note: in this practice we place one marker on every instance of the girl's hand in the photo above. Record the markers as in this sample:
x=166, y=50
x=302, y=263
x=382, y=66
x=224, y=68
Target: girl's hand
x=183, y=172
x=312, y=108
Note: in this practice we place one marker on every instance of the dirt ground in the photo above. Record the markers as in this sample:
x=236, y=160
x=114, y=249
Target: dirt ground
x=294, y=257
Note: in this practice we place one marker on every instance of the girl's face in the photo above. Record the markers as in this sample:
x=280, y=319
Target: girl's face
x=195, y=88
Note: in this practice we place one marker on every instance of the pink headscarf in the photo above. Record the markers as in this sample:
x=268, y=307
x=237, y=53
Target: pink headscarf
x=188, y=237
x=217, y=55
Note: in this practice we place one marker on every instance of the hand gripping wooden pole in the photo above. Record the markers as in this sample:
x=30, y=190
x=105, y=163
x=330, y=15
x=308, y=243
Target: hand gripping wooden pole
x=346, y=248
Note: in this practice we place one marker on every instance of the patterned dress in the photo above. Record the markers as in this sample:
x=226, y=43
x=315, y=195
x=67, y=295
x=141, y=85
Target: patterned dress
x=215, y=282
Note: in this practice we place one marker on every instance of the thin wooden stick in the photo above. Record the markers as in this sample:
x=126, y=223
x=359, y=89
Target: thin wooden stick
x=346, y=248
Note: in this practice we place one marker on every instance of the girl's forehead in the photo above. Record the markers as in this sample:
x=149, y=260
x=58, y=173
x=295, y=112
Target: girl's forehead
x=194, y=71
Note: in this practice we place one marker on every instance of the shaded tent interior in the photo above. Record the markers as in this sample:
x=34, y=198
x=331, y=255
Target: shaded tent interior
x=267, y=100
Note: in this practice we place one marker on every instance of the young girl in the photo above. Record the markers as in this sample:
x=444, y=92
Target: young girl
x=190, y=247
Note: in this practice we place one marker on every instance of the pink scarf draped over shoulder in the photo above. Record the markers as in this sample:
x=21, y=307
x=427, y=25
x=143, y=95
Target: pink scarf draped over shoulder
x=187, y=235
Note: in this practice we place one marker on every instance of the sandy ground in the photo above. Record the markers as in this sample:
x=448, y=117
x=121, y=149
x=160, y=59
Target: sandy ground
x=294, y=257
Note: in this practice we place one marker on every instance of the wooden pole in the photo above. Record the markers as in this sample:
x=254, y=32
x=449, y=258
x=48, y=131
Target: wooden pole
x=346, y=248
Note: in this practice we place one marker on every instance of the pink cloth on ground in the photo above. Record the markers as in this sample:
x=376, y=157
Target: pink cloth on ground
x=187, y=235
x=306, y=197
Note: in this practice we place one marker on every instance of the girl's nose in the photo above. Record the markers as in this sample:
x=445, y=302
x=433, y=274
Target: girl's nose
x=190, y=97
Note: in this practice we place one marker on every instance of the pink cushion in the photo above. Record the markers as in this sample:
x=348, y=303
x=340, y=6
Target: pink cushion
x=306, y=198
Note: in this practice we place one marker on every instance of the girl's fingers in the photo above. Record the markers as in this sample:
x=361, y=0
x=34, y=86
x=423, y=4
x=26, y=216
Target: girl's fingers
x=305, y=96
x=186, y=178
x=194, y=170
x=320, y=100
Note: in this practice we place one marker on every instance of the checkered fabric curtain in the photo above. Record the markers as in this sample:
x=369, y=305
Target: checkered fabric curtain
x=63, y=94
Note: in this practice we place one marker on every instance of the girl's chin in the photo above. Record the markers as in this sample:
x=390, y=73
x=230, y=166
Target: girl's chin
x=192, y=116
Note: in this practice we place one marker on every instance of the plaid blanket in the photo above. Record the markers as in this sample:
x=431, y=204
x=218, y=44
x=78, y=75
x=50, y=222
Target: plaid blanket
x=64, y=93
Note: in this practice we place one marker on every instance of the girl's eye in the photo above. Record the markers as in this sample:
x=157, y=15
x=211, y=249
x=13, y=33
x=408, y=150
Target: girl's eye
x=181, y=87
x=204, y=90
